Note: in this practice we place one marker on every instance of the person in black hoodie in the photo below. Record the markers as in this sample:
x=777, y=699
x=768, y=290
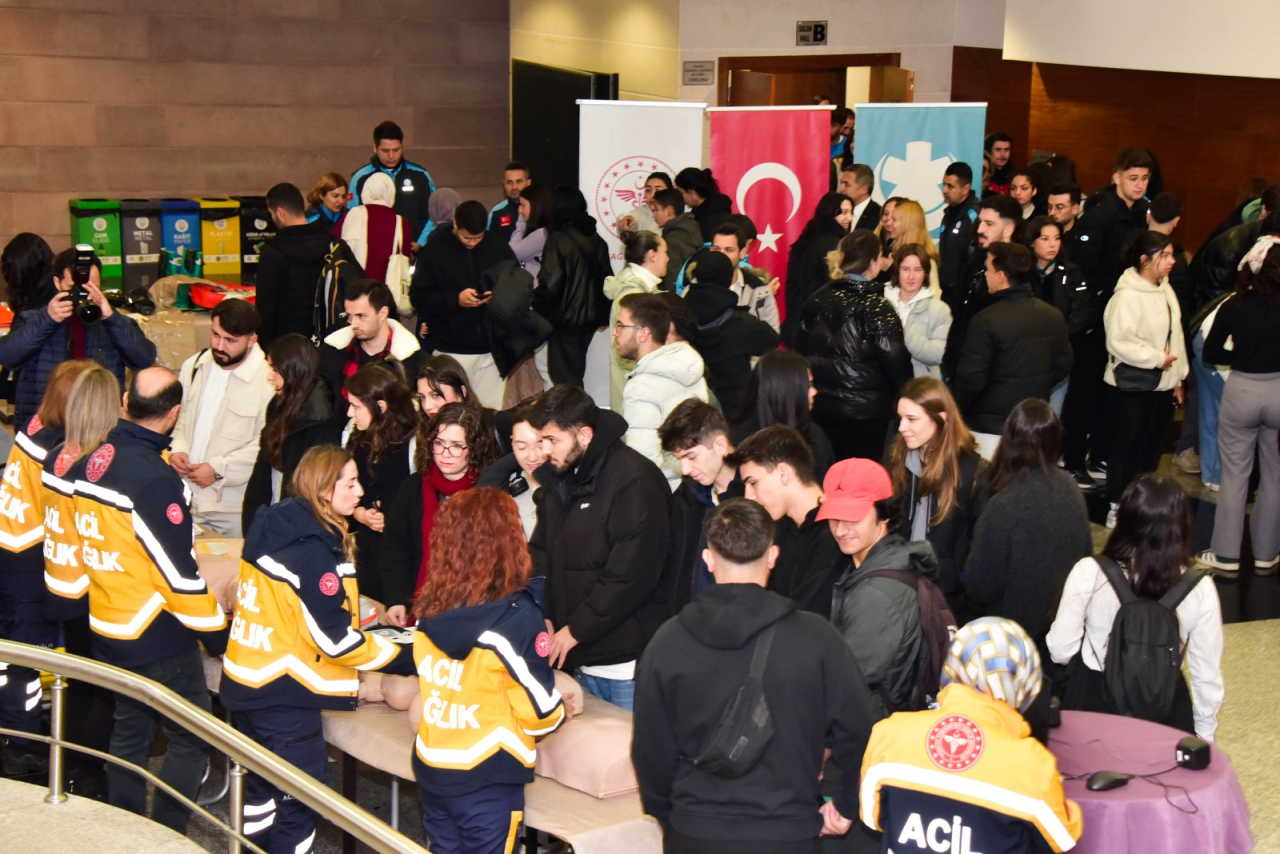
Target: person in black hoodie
x=702, y=194
x=807, y=269
x=570, y=292
x=692, y=669
x=301, y=414
x=601, y=540
x=289, y=266
x=448, y=297
x=728, y=337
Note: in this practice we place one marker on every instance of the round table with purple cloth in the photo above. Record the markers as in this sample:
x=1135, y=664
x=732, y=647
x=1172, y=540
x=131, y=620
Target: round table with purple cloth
x=1194, y=812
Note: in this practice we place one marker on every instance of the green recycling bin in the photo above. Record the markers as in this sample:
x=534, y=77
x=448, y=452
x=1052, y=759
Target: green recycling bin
x=97, y=223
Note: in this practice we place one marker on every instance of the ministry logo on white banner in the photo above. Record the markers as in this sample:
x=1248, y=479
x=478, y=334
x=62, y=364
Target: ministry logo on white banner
x=909, y=147
x=620, y=144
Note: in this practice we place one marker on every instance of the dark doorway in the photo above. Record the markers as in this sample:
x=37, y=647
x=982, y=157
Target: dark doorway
x=544, y=116
x=778, y=80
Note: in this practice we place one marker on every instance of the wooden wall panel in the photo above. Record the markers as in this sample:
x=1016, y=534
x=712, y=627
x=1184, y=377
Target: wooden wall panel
x=980, y=74
x=1209, y=133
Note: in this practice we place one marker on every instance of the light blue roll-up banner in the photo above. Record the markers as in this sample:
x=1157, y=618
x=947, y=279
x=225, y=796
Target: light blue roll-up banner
x=909, y=146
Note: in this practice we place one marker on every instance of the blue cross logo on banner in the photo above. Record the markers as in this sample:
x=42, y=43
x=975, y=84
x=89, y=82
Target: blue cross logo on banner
x=909, y=146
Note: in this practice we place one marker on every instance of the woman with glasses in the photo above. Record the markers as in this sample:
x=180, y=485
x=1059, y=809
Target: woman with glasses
x=457, y=444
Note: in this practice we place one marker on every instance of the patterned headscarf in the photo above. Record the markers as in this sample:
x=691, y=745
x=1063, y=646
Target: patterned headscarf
x=998, y=658
x=1255, y=256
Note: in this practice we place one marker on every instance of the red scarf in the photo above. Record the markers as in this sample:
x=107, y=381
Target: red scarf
x=435, y=484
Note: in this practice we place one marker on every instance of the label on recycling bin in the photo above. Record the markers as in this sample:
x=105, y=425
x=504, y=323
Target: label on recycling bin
x=141, y=259
x=217, y=259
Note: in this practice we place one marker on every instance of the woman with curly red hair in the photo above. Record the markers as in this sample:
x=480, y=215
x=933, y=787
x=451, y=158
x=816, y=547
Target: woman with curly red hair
x=487, y=688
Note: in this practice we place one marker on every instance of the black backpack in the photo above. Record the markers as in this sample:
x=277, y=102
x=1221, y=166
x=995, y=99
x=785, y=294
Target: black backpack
x=340, y=269
x=1144, y=652
x=937, y=630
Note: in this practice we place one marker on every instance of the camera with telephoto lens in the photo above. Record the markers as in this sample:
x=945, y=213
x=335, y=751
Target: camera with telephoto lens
x=85, y=308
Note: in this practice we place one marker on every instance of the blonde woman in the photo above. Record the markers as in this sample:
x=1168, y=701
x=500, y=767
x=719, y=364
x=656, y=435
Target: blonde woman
x=909, y=227
x=298, y=586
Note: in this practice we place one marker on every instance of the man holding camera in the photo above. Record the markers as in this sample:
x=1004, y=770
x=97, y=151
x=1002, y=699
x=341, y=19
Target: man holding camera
x=78, y=322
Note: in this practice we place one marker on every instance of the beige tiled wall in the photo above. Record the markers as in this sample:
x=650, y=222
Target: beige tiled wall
x=640, y=41
x=148, y=98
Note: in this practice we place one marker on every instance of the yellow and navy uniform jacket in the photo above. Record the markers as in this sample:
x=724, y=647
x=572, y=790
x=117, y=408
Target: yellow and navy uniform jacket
x=146, y=600
x=295, y=637
x=65, y=577
x=965, y=777
x=21, y=502
x=487, y=693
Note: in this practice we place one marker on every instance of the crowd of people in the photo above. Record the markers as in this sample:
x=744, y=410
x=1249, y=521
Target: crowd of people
x=864, y=489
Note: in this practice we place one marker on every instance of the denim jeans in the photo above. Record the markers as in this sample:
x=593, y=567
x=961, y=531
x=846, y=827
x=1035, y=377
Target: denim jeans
x=1058, y=396
x=135, y=730
x=620, y=692
x=1211, y=385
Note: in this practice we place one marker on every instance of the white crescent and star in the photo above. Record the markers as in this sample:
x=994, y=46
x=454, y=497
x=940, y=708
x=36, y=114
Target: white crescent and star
x=764, y=172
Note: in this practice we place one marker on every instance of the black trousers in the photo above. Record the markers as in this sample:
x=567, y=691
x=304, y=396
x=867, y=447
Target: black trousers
x=567, y=355
x=674, y=842
x=866, y=438
x=1086, y=411
x=1141, y=425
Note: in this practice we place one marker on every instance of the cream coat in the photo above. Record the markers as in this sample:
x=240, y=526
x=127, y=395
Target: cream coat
x=1137, y=321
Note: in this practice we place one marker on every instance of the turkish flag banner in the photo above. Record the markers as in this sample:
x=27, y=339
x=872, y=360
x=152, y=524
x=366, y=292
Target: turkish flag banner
x=774, y=163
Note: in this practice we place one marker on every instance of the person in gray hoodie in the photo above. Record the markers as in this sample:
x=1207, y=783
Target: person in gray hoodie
x=878, y=617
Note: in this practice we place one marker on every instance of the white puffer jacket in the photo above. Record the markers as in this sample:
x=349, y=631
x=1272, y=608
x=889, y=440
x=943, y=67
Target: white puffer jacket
x=1138, y=320
x=658, y=383
x=926, y=320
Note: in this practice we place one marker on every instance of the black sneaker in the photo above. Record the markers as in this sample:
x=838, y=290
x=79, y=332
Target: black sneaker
x=20, y=760
x=1098, y=471
x=1083, y=480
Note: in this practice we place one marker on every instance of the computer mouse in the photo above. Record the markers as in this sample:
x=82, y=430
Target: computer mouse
x=1105, y=781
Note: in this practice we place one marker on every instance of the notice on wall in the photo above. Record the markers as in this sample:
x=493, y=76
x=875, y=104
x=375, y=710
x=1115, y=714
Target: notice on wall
x=699, y=73
x=811, y=33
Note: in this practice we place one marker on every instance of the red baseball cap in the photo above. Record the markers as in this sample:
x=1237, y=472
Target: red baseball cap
x=851, y=487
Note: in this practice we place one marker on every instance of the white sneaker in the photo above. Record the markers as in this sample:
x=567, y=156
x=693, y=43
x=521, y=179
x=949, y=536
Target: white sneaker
x=1111, y=517
x=1212, y=487
x=1217, y=565
x=1266, y=567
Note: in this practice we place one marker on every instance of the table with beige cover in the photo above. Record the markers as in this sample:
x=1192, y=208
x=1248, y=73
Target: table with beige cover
x=382, y=737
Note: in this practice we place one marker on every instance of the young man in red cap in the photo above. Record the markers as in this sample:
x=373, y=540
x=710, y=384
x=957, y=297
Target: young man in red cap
x=878, y=616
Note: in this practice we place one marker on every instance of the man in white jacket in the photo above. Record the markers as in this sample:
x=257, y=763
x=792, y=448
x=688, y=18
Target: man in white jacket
x=224, y=406
x=667, y=372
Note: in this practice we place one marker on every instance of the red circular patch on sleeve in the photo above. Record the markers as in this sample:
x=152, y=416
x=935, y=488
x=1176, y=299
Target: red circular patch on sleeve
x=955, y=743
x=34, y=426
x=542, y=645
x=63, y=462
x=99, y=460
x=329, y=584
x=174, y=513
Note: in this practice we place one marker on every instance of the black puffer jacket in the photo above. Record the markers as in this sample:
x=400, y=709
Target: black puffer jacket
x=1064, y=288
x=1216, y=266
x=288, y=268
x=853, y=339
x=728, y=338
x=575, y=262
x=602, y=536
x=1015, y=348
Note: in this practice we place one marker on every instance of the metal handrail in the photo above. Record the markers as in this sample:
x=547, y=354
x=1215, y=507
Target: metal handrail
x=242, y=751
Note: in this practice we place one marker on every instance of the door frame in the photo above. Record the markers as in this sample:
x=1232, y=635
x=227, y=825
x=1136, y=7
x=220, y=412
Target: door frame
x=808, y=62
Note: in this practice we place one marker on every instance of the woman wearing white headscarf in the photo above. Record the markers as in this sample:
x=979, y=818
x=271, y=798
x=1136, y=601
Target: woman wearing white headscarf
x=373, y=230
x=971, y=765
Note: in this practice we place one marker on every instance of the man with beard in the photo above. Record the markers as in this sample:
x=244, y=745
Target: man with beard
x=998, y=220
x=372, y=335
x=600, y=541
x=224, y=406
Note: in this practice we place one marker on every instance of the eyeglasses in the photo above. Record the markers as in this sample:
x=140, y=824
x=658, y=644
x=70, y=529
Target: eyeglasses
x=621, y=325
x=451, y=449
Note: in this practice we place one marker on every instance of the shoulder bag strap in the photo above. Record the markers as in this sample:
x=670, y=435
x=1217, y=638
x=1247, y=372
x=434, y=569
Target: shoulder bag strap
x=761, y=655
x=1116, y=576
x=1179, y=591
